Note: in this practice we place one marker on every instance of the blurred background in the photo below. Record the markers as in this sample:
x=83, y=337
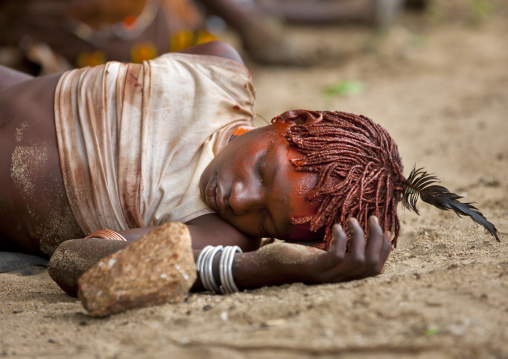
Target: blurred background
x=44, y=36
x=433, y=73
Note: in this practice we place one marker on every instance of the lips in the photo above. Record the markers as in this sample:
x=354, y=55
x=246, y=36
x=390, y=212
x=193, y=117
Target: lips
x=215, y=198
x=211, y=193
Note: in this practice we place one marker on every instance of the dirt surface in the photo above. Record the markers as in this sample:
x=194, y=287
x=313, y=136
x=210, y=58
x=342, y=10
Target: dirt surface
x=439, y=85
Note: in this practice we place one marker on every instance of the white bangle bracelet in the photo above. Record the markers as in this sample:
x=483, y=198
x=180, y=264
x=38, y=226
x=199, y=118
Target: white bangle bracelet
x=208, y=272
x=204, y=265
x=205, y=270
x=200, y=264
x=225, y=269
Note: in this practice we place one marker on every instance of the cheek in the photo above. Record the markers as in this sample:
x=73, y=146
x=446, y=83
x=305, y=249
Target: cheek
x=299, y=203
x=303, y=182
x=300, y=207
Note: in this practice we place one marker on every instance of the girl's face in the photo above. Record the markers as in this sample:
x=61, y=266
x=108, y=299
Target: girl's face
x=254, y=187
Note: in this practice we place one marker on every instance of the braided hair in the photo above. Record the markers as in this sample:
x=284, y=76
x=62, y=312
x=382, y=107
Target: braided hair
x=360, y=173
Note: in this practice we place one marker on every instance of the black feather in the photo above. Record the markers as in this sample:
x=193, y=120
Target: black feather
x=422, y=185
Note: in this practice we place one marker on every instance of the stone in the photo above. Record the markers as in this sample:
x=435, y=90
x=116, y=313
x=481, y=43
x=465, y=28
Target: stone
x=158, y=268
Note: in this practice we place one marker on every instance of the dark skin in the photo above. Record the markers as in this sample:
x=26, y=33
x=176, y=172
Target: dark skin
x=31, y=199
x=253, y=186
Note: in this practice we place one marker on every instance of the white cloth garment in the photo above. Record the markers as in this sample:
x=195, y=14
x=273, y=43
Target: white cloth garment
x=134, y=138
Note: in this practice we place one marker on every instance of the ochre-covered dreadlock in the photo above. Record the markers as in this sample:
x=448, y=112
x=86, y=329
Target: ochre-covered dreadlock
x=360, y=174
x=358, y=166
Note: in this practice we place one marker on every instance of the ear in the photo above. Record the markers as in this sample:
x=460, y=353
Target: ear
x=300, y=117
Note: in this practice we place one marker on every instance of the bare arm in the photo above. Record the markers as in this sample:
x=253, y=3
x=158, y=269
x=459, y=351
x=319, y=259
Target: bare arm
x=281, y=263
x=273, y=264
x=74, y=257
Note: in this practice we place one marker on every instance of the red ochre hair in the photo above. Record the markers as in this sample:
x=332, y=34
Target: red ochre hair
x=358, y=165
x=360, y=174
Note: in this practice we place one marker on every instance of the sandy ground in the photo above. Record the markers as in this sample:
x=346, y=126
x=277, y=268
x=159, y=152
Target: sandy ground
x=439, y=85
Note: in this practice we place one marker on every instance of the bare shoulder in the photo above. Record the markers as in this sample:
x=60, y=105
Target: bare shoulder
x=211, y=229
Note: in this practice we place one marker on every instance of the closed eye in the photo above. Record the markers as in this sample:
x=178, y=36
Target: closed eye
x=259, y=166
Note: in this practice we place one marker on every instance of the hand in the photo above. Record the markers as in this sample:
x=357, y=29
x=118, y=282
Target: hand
x=286, y=262
x=365, y=258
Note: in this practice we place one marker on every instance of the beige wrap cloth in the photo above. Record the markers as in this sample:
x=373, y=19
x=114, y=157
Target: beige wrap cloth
x=134, y=138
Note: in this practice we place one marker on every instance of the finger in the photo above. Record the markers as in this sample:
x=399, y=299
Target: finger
x=351, y=268
x=374, y=243
x=337, y=251
x=357, y=244
x=339, y=241
x=385, y=251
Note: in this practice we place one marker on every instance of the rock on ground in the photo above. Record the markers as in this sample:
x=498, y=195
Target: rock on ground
x=158, y=268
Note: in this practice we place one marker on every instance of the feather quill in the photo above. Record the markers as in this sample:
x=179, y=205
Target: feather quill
x=421, y=184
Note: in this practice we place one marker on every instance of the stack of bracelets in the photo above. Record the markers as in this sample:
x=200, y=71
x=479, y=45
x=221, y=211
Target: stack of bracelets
x=204, y=267
x=107, y=234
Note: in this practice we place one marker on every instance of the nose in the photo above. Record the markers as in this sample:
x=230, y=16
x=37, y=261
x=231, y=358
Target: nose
x=246, y=197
